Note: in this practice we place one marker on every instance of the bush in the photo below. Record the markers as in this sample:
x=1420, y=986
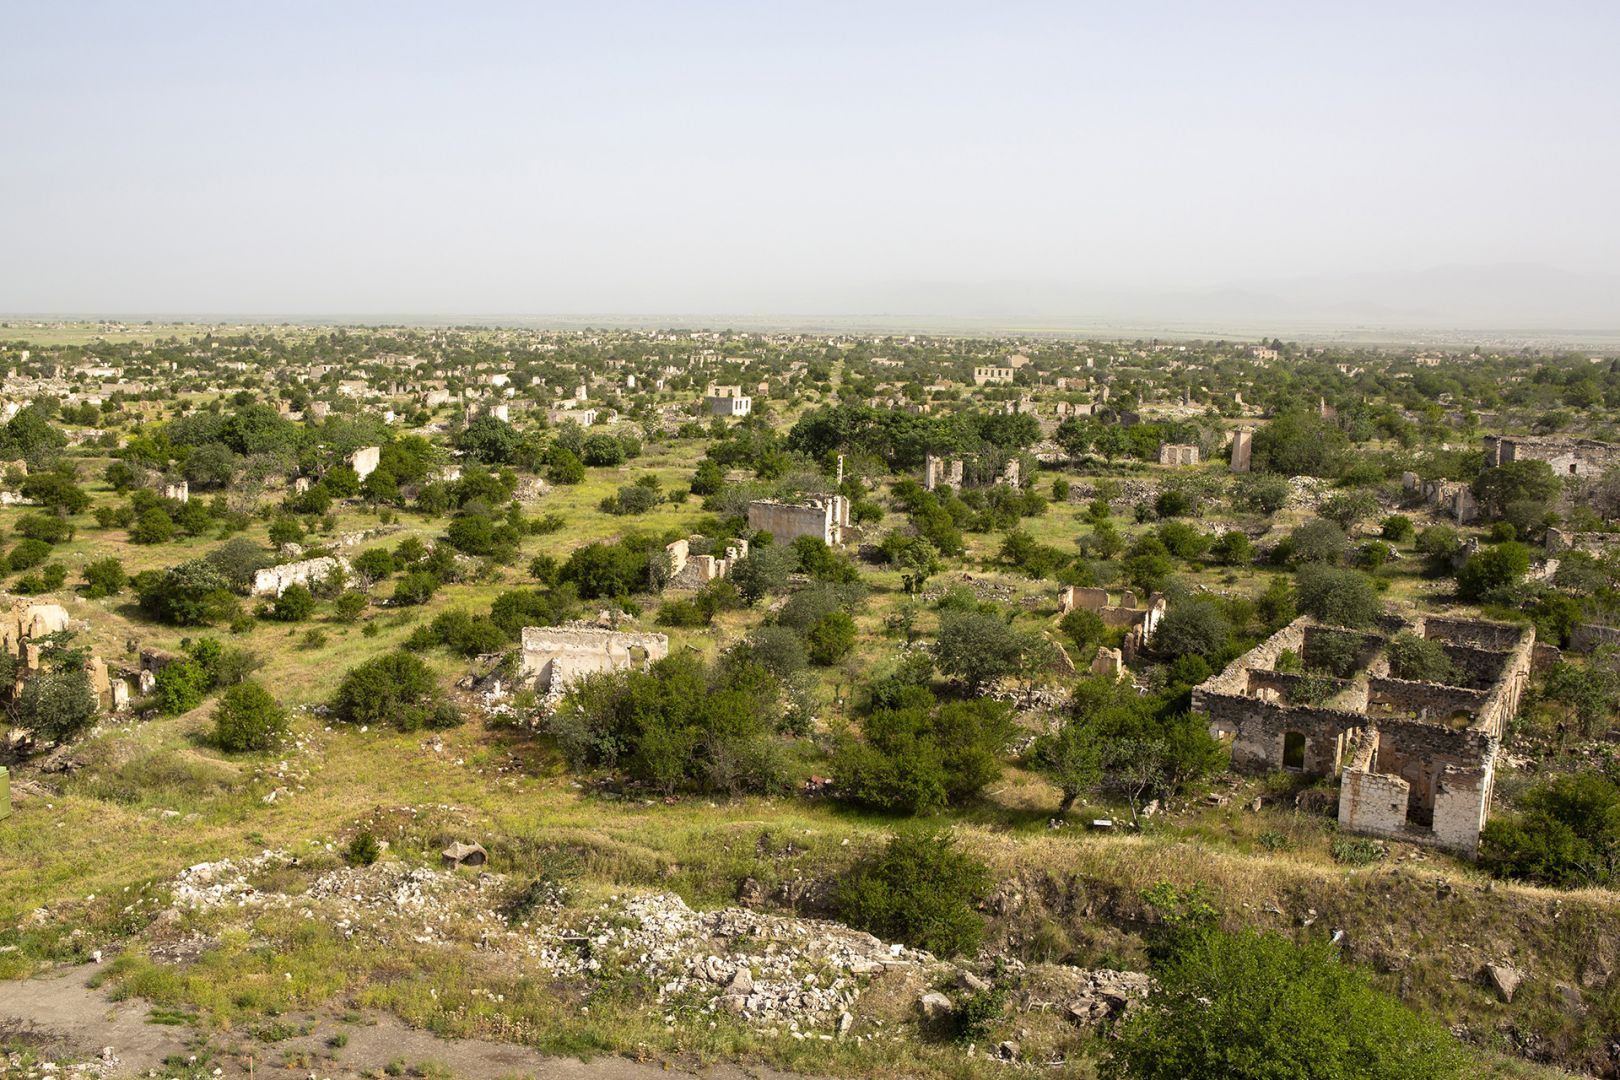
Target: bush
x=28, y=554
x=1397, y=529
x=1566, y=834
x=920, y=891
x=190, y=594
x=1335, y=596
x=181, y=686
x=104, y=577
x=1420, y=660
x=295, y=604
x=1492, y=568
x=831, y=638
x=414, y=588
x=918, y=757
x=1193, y=628
x=978, y=647
x=396, y=689
x=248, y=718
x=154, y=526
x=1251, y=1005
x=1233, y=549
x=1318, y=541
x=363, y=850
x=677, y=726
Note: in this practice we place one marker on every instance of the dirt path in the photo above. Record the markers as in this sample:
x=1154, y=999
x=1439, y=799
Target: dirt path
x=64, y=1018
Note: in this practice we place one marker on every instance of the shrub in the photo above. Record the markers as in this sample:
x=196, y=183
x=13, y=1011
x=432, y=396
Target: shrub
x=831, y=638
x=1420, y=660
x=978, y=647
x=363, y=850
x=677, y=726
x=1566, y=834
x=1336, y=596
x=1193, y=628
x=248, y=718
x=1397, y=529
x=1233, y=549
x=190, y=594
x=417, y=587
x=295, y=604
x=104, y=577
x=396, y=689
x=1252, y=1005
x=918, y=756
x=28, y=554
x=1084, y=628
x=1356, y=851
x=181, y=686
x=921, y=891
x=1493, y=568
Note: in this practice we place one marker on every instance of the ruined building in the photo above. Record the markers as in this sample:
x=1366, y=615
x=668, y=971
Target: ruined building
x=689, y=571
x=1567, y=456
x=1242, y=450
x=555, y=656
x=825, y=516
x=1414, y=760
x=1139, y=621
x=1178, y=454
x=938, y=470
x=1452, y=497
x=24, y=626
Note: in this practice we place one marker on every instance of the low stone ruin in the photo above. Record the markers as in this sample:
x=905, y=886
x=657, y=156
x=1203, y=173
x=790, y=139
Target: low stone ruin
x=275, y=580
x=554, y=657
x=689, y=571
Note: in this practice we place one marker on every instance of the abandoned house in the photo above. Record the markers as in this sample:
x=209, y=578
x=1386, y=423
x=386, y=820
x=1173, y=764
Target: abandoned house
x=826, y=517
x=1138, y=621
x=1567, y=456
x=1414, y=760
x=555, y=656
x=689, y=569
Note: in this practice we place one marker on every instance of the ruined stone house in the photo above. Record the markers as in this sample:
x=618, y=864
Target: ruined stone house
x=23, y=628
x=826, y=517
x=1242, y=450
x=693, y=571
x=1414, y=760
x=364, y=461
x=554, y=657
x=1585, y=458
x=1178, y=454
x=1452, y=497
x=1138, y=620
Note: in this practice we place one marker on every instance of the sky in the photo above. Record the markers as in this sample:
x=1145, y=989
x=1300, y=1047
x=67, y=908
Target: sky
x=1413, y=160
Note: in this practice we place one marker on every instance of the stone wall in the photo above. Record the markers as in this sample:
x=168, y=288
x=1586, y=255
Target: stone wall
x=555, y=656
x=275, y=580
x=1178, y=454
x=365, y=460
x=1586, y=458
x=825, y=518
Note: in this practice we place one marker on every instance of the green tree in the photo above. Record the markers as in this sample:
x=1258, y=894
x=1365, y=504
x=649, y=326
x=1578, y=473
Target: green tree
x=396, y=689
x=978, y=647
x=104, y=577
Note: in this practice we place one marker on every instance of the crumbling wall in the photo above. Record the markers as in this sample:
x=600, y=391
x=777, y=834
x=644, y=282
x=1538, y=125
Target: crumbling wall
x=825, y=518
x=364, y=461
x=556, y=656
x=275, y=580
x=1178, y=454
x=1242, y=449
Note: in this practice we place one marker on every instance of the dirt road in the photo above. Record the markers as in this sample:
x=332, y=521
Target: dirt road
x=64, y=1019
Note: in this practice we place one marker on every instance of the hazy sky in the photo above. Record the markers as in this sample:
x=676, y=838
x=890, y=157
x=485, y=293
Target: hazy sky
x=674, y=156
